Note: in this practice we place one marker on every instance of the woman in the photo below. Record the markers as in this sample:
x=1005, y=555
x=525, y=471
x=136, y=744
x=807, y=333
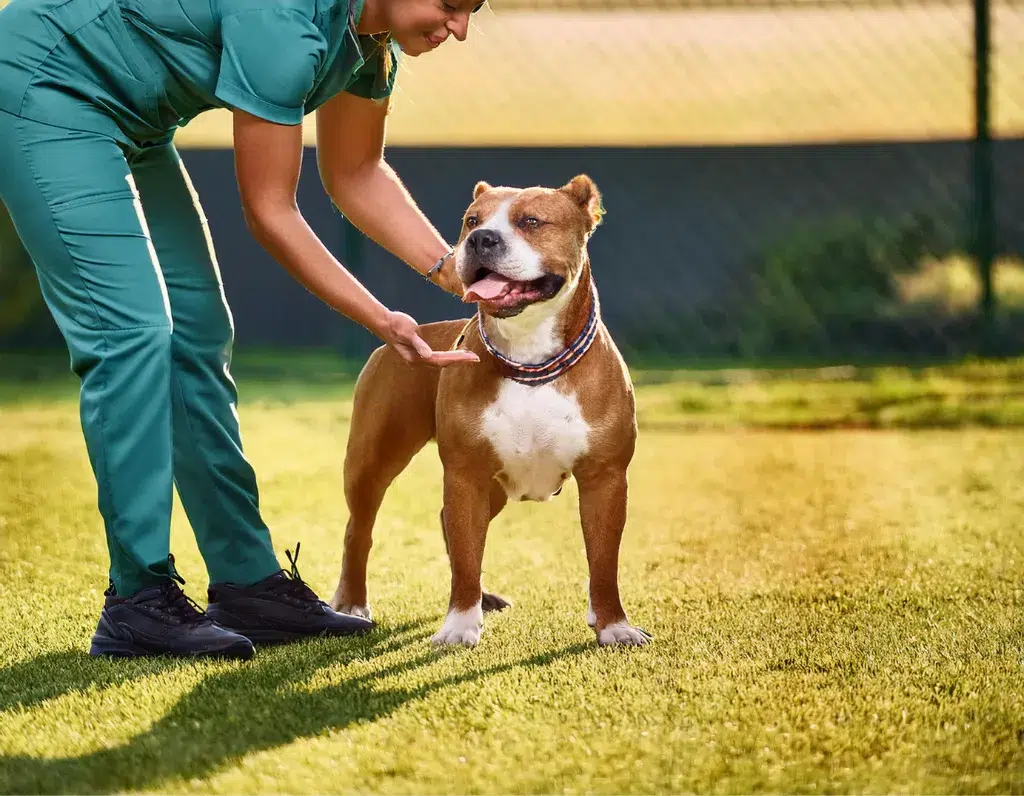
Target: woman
x=91, y=92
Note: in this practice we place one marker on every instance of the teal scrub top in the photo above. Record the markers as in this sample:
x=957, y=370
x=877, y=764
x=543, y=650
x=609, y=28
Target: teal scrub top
x=150, y=66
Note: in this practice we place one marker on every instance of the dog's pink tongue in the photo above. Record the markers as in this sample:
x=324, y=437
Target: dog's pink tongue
x=488, y=288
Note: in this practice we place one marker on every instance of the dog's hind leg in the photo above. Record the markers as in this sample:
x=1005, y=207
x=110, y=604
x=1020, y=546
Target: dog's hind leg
x=365, y=486
x=389, y=426
x=489, y=602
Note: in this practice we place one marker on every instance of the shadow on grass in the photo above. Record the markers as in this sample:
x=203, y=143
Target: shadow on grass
x=255, y=706
x=57, y=673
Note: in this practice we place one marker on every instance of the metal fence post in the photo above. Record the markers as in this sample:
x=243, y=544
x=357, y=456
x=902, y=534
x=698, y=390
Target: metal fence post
x=353, y=252
x=983, y=222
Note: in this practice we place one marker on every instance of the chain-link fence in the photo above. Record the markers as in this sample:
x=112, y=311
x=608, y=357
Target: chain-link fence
x=790, y=177
x=686, y=72
x=781, y=179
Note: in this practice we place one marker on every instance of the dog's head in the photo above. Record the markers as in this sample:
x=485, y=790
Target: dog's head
x=519, y=247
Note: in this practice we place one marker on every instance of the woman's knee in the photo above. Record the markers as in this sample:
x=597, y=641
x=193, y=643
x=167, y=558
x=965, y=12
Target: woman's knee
x=203, y=325
x=140, y=353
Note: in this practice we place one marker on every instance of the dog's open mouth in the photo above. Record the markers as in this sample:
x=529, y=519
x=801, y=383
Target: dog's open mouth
x=500, y=293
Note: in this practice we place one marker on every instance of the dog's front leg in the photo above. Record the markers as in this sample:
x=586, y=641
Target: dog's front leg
x=603, y=516
x=466, y=515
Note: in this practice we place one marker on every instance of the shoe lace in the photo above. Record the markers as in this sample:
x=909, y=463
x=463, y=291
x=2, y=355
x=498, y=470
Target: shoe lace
x=178, y=604
x=292, y=583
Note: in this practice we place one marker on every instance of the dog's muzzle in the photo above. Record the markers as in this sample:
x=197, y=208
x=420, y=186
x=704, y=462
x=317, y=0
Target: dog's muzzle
x=484, y=245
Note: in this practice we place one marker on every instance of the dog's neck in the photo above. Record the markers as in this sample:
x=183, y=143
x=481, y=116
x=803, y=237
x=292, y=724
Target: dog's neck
x=543, y=330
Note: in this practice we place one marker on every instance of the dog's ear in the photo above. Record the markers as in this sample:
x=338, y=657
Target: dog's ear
x=480, y=188
x=584, y=192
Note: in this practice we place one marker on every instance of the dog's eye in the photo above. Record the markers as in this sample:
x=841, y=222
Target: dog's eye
x=472, y=221
x=530, y=222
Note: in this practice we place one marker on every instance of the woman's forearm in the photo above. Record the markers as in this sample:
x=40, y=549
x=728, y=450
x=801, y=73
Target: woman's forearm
x=285, y=234
x=376, y=202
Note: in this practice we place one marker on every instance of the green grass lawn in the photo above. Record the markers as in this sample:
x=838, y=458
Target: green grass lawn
x=834, y=610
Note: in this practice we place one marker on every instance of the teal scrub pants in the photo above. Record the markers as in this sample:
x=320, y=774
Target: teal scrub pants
x=127, y=268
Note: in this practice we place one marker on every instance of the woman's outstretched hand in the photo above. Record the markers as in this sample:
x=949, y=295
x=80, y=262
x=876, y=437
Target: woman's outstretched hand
x=402, y=333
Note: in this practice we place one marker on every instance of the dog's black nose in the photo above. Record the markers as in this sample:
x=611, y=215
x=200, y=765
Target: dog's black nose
x=481, y=241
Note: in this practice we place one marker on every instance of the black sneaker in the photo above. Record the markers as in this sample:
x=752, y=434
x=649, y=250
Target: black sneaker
x=278, y=609
x=162, y=620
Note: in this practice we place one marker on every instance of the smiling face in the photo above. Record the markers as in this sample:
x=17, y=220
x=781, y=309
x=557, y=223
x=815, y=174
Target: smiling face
x=522, y=247
x=419, y=26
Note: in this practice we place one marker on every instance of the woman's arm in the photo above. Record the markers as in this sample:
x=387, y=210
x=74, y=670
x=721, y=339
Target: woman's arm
x=267, y=161
x=350, y=155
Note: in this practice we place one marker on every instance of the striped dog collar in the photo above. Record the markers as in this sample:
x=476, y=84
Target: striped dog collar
x=551, y=369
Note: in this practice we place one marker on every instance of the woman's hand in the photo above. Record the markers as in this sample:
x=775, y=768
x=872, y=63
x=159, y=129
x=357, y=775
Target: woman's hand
x=402, y=334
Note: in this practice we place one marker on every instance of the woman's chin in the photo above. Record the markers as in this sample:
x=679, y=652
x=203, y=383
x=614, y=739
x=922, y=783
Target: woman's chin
x=414, y=45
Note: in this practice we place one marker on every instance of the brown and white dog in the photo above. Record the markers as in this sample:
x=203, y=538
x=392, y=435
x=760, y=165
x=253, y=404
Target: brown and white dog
x=551, y=397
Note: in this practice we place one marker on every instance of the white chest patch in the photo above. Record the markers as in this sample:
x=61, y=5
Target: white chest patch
x=538, y=434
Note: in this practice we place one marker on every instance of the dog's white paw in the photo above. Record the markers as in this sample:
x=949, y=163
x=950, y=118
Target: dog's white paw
x=362, y=611
x=461, y=627
x=623, y=634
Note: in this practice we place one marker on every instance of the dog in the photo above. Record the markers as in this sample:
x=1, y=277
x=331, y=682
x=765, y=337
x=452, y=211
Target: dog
x=550, y=398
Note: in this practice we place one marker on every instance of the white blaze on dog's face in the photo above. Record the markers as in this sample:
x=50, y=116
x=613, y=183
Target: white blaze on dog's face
x=523, y=246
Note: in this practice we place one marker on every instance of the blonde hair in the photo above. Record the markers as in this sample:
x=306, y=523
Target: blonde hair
x=383, y=41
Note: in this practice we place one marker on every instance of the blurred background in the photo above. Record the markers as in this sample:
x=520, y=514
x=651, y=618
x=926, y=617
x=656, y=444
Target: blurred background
x=824, y=181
